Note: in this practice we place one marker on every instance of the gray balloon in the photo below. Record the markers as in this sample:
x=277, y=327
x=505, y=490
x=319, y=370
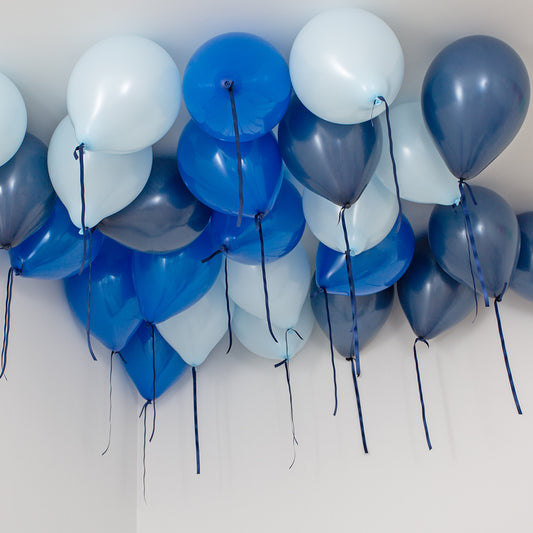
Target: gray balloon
x=27, y=197
x=163, y=218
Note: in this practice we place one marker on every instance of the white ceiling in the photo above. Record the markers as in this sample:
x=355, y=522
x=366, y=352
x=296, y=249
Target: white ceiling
x=41, y=41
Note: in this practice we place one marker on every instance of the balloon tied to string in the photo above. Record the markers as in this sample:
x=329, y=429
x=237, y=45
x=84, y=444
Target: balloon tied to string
x=420, y=394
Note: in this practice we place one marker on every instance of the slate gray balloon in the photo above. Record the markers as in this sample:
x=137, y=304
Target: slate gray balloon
x=522, y=279
x=163, y=218
x=27, y=197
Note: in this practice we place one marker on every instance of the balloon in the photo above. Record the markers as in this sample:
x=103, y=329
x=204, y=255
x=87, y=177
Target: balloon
x=373, y=270
x=431, y=300
x=522, y=279
x=115, y=313
x=111, y=181
x=169, y=283
x=496, y=234
x=138, y=356
x=282, y=227
x=288, y=284
x=368, y=221
x=163, y=218
x=14, y=119
x=254, y=335
x=194, y=332
x=209, y=169
x=260, y=79
x=475, y=97
x=423, y=176
x=373, y=310
x=26, y=194
x=333, y=161
x=341, y=61
x=123, y=95
x=54, y=251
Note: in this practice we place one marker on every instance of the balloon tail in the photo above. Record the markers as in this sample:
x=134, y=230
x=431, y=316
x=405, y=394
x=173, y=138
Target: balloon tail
x=79, y=152
x=143, y=414
x=358, y=400
x=228, y=308
x=7, y=318
x=89, y=275
x=195, y=404
x=422, y=406
x=330, y=332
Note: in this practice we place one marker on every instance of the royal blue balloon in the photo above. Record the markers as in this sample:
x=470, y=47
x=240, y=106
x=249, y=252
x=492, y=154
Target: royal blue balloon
x=54, y=251
x=115, y=312
x=261, y=84
x=282, y=227
x=374, y=270
x=522, y=279
x=209, y=169
x=169, y=283
x=475, y=97
x=138, y=356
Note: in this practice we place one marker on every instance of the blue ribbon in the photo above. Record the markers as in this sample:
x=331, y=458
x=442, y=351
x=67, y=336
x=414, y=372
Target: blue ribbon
x=330, y=332
x=195, y=403
x=422, y=406
x=358, y=400
x=89, y=276
x=79, y=152
x=143, y=412
x=7, y=318
x=152, y=335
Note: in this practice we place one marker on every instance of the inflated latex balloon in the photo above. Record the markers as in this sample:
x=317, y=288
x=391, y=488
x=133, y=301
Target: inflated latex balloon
x=475, y=97
x=194, y=332
x=112, y=181
x=55, y=250
x=288, y=284
x=368, y=221
x=260, y=81
x=26, y=195
x=522, y=279
x=123, y=95
x=13, y=119
x=341, y=61
x=497, y=238
x=431, y=300
x=423, y=176
x=209, y=169
x=163, y=218
x=332, y=160
x=374, y=270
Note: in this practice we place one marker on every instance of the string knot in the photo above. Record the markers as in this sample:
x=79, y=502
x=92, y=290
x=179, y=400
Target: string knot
x=259, y=217
x=79, y=150
x=228, y=84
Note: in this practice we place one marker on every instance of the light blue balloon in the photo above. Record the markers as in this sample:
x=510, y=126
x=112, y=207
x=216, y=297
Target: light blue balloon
x=13, y=119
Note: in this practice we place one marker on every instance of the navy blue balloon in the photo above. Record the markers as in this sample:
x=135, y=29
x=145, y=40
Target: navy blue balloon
x=374, y=270
x=54, y=251
x=496, y=234
x=475, y=97
x=522, y=278
x=283, y=228
x=169, y=283
x=432, y=300
x=261, y=85
x=115, y=312
x=209, y=169
x=138, y=356
x=333, y=160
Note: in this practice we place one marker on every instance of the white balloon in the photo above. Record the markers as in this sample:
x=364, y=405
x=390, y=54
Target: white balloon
x=194, y=332
x=287, y=280
x=368, y=221
x=13, y=119
x=341, y=61
x=254, y=335
x=123, y=95
x=423, y=176
x=112, y=181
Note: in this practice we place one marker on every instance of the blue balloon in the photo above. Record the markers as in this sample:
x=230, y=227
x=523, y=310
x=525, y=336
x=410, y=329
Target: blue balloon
x=54, y=251
x=166, y=284
x=475, y=97
x=522, y=279
x=374, y=270
x=115, y=312
x=283, y=228
x=261, y=85
x=138, y=357
x=209, y=169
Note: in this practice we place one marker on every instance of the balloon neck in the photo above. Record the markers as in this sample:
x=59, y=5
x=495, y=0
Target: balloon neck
x=228, y=84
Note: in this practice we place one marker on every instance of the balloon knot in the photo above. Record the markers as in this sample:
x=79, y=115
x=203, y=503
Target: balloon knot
x=228, y=84
x=79, y=149
x=259, y=217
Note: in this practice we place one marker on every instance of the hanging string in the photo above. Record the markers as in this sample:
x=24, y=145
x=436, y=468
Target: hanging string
x=422, y=406
x=471, y=270
x=504, y=350
x=358, y=400
x=89, y=276
x=79, y=152
x=229, y=85
x=152, y=334
x=143, y=412
x=228, y=308
x=7, y=318
x=258, y=223
x=470, y=232
x=330, y=332
x=195, y=403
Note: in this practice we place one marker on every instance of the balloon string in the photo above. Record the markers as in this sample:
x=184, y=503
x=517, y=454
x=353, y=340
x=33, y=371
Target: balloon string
x=258, y=223
x=330, y=332
x=504, y=350
x=89, y=276
x=7, y=318
x=214, y=254
x=353, y=300
x=471, y=271
x=358, y=400
x=422, y=406
x=195, y=403
x=143, y=412
x=78, y=155
x=228, y=308
x=152, y=335
x=230, y=86
x=471, y=239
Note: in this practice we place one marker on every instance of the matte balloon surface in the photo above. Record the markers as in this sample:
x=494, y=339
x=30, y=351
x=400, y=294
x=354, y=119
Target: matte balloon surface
x=13, y=119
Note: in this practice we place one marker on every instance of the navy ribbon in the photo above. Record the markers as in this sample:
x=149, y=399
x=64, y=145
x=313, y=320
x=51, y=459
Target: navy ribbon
x=330, y=332
x=195, y=403
x=152, y=335
x=358, y=400
x=422, y=406
x=143, y=412
x=89, y=276
x=7, y=318
x=78, y=155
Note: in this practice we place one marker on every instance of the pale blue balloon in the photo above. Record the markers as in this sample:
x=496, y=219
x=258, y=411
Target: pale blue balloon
x=13, y=119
